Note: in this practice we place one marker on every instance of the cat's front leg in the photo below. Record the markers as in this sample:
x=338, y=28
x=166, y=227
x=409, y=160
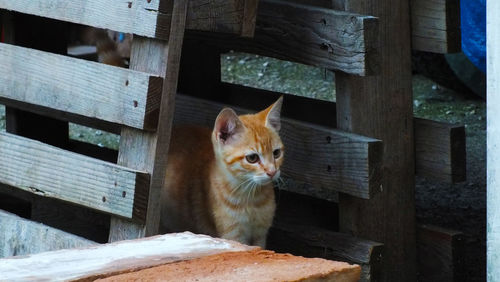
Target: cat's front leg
x=259, y=236
x=260, y=241
x=235, y=232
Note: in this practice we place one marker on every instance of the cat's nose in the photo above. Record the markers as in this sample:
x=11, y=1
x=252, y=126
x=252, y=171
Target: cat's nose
x=271, y=173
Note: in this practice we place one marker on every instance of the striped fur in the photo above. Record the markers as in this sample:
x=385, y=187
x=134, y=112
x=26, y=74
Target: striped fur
x=212, y=188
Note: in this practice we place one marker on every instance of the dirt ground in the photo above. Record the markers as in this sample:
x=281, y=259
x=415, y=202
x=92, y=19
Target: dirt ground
x=459, y=206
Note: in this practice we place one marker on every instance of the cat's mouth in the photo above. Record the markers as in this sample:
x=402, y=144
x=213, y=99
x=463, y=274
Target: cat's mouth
x=265, y=179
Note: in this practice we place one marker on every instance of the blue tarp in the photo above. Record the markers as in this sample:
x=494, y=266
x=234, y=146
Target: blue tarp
x=473, y=25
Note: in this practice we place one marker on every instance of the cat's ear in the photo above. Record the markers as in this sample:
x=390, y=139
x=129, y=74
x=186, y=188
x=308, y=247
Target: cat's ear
x=228, y=126
x=273, y=115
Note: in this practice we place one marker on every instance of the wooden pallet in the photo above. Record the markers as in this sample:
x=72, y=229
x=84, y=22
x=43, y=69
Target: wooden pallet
x=138, y=102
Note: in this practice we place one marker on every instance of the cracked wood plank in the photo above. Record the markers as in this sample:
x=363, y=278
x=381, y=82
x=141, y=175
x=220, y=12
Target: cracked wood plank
x=48, y=171
x=116, y=95
x=145, y=18
x=310, y=35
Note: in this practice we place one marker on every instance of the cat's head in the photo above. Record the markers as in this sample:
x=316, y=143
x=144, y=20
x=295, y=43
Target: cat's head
x=249, y=145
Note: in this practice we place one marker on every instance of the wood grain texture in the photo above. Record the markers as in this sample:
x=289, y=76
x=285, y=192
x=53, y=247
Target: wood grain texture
x=149, y=151
x=317, y=155
x=440, y=254
x=80, y=87
x=439, y=147
x=88, y=264
x=440, y=150
x=311, y=241
x=310, y=35
x=52, y=172
x=227, y=16
x=138, y=17
x=436, y=26
x=19, y=237
x=381, y=107
x=144, y=18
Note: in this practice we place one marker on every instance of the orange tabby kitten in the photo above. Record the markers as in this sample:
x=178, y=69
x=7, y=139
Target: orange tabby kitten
x=219, y=182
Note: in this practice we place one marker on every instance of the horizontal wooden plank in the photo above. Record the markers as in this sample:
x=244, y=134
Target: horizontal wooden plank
x=440, y=147
x=227, y=16
x=440, y=150
x=65, y=216
x=311, y=35
x=429, y=45
x=138, y=17
x=440, y=254
x=436, y=25
x=52, y=172
x=145, y=18
x=19, y=237
x=321, y=156
x=310, y=241
x=104, y=260
x=85, y=88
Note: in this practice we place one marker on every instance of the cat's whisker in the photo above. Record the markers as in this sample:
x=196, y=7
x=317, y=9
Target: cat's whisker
x=243, y=185
x=251, y=192
x=280, y=182
x=254, y=190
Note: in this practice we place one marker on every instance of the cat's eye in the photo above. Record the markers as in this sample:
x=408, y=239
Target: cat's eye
x=252, y=158
x=277, y=153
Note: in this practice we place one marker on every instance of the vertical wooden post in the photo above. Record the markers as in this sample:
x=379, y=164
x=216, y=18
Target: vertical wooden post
x=381, y=107
x=148, y=150
x=493, y=140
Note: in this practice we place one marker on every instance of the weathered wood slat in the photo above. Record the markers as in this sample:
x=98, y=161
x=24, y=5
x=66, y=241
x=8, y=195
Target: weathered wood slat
x=311, y=241
x=440, y=150
x=144, y=18
x=440, y=254
x=20, y=237
x=311, y=35
x=436, y=25
x=101, y=261
x=80, y=87
x=321, y=156
x=134, y=16
x=440, y=147
x=149, y=151
x=237, y=17
x=52, y=172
